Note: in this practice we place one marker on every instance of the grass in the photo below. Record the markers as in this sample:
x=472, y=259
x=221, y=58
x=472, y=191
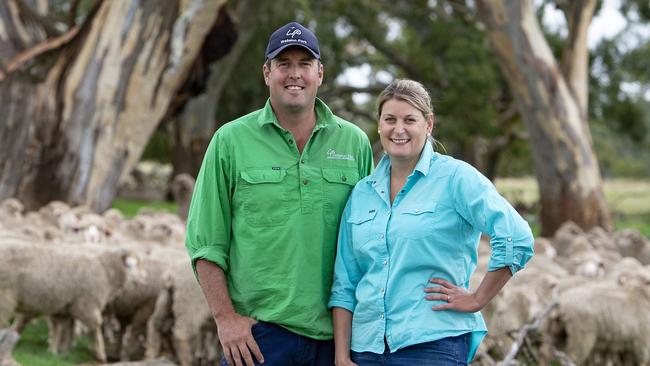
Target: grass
x=31, y=349
x=628, y=200
x=130, y=207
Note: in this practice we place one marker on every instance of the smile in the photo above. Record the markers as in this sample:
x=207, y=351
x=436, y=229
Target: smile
x=294, y=87
x=400, y=141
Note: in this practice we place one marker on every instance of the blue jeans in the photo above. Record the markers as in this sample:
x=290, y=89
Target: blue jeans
x=450, y=351
x=281, y=347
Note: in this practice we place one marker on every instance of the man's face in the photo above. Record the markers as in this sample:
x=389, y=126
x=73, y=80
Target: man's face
x=293, y=79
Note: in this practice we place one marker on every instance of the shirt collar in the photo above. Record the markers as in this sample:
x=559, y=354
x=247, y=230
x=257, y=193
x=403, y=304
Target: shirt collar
x=382, y=171
x=324, y=116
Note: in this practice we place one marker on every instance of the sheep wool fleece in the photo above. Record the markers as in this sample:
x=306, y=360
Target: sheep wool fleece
x=268, y=215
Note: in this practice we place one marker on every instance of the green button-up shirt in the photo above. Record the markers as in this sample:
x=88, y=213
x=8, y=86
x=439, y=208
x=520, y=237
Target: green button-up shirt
x=268, y=215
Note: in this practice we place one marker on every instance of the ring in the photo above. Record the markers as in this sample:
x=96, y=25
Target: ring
x=448, y=297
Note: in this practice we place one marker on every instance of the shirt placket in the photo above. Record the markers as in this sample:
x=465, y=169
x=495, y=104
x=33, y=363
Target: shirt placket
x=307, y=175
x=383, y=220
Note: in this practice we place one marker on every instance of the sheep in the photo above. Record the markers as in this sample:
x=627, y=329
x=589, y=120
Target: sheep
x=544, y=247
x=631, y=243
x=564, y=235
x=134, y=303
x=581, y=258
x=183, y=301
x=527, y=294
x=182, y=187
x=589, y=321
x=46, y=280
x=11, y=209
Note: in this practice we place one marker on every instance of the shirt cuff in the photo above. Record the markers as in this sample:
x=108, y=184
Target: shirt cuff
x=211, y=254
x=347, y=305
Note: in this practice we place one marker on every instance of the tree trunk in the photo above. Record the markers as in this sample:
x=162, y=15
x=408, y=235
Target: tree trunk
x=191, y=127
x=78, y=116
x=565, y=165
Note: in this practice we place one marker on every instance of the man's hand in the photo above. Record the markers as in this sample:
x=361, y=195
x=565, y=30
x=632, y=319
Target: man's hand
x=237, y=340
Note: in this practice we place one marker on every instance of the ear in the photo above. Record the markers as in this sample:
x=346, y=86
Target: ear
x=321, y=71
x=430, y=123
x=266, y=72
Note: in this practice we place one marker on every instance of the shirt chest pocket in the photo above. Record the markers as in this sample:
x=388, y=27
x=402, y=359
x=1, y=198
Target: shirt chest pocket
x=419, y=219
x=337, y=184
x=264, y=196
x=362, y=227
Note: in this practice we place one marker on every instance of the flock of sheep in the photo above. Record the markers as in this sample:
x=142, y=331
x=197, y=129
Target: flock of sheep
x=589, y=291
x=127, y=284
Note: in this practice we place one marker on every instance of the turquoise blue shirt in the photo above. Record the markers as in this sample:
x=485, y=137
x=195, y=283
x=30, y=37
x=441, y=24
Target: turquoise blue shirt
x=386, y=254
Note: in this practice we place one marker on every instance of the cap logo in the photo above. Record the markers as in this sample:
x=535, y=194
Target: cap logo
x=293, y=32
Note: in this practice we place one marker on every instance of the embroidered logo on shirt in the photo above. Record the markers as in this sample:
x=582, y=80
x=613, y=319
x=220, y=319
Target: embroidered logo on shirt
x=332, y=154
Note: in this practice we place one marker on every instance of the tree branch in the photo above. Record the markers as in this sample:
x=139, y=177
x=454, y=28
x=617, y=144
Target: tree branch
x=575, y=54
x=37, y=50
x=523, y=333
x=376, y=39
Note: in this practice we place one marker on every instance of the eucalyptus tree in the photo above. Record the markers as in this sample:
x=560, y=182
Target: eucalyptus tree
x=552, y=98
x=83, y=84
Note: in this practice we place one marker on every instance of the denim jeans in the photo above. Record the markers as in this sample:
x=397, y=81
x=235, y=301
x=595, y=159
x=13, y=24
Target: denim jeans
x=450, y=351
x=281, y=347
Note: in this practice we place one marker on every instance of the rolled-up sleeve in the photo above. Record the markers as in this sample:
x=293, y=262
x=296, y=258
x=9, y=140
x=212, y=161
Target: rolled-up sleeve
x=478, y=202
x=209, y=216
x=346, y=270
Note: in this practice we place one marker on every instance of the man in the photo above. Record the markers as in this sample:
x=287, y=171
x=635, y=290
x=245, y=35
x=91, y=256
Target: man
x=264, y=216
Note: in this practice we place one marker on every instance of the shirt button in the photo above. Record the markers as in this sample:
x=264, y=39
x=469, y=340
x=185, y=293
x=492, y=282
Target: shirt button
x=302, y=161
x=509, y=239
x=344, y=178
x=305, y=182
x=359, y=220
x=385, y=262
x=381, y=290
x=381, y=236
x=417, y=210
x=381, y=315
x=382, y=191
x=290, y=142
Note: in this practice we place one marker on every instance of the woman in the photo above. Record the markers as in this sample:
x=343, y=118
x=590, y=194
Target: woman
x=408, y=246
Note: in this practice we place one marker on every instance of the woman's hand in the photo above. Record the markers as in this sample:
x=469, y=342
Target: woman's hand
x=454, y=297
x=345, y=362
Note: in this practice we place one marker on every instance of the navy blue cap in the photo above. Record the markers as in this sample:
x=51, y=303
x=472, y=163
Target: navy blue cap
x=290, y=35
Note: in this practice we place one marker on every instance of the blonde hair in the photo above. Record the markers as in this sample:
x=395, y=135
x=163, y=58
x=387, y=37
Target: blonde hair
x=413, y=93
x=409, y=91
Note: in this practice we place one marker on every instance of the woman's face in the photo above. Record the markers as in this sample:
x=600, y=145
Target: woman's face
x=403, y=130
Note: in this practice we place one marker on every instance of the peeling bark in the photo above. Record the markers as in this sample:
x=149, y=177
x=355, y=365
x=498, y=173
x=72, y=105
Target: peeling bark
x=79, y=118
x=565, y=165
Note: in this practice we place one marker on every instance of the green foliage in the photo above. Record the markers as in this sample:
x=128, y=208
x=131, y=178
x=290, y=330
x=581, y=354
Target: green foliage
x=158, y=148
x=31, y=350
x=443, y=45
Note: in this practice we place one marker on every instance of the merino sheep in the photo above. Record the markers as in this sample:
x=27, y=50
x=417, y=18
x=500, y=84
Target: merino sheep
x=134, y=304
x=631, y=243
x=589, y=322
x=46, y=280
x=182, y=187
x=564, y=236
x=183, y=302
